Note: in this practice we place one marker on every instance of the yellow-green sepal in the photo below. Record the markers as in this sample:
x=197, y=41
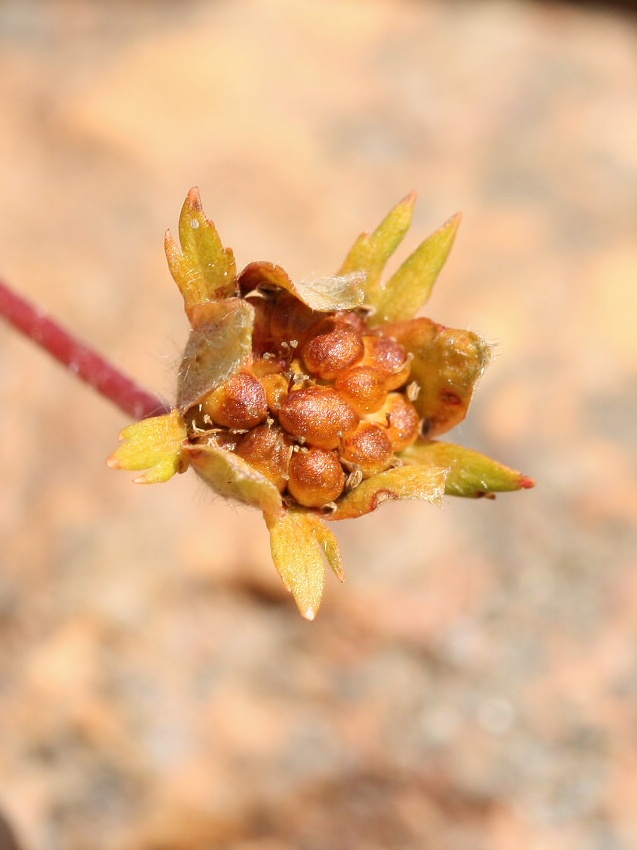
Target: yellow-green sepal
x=155, y=445
x=406, y=291
x=470, y=473
x=202, y=268
x=405, y=482
x=301, y=543
x=370, y=252
x=229, y=475
x=219, y=344
x=446, y=364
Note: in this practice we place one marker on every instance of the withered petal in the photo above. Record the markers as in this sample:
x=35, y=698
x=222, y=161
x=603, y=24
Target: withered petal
x=323, y=294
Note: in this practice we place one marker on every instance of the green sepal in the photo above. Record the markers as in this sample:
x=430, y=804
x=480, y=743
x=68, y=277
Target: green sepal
x=405, y=482
x=370, y=252
x=301, y=543
x=230, y=476
x=470, y=473
x=156, y=445
x=409, y=288
x=202, y=269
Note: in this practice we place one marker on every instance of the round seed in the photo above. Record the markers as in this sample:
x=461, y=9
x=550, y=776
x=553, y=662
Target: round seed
x=267, y=450
x=403, y=422
x=276, y=389
x=318, y=414
x=368, y=448
x=239, y=403
x=389, y=357
x=328, y=353
x=316, y=477
x=363, y=387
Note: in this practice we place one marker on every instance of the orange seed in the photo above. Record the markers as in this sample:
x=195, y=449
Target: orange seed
x=316, y=477
x=276, y=389
x=267, y=450
x=368, y=448
x=363, y=387
x=239, y=403
x=319, y=415
x=389, y=357
x=326, y=354
x=401, y=419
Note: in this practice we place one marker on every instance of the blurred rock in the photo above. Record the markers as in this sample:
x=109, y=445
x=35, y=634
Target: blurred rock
x=472, y=685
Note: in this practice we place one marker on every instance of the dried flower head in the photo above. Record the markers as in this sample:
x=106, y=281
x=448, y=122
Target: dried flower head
x=319, y=400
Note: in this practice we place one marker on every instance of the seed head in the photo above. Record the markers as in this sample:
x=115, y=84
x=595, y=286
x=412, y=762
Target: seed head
x=316, y=400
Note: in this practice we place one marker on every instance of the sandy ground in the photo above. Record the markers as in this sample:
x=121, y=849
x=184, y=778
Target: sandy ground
x=473, y=685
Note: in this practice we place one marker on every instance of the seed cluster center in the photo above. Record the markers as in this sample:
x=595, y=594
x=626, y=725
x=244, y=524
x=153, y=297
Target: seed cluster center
x=324, y=403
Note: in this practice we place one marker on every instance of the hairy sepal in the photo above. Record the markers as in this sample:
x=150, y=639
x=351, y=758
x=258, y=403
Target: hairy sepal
x=218, y=347
x=370, y=252
x=202, y=268
x=470, y=473
x=301, y=543
x=408, y=290
x=156, y=445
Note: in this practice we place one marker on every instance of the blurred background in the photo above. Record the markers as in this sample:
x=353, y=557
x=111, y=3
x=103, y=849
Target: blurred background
x=473, y=685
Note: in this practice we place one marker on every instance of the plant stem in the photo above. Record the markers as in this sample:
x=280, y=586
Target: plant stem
x=77, y=357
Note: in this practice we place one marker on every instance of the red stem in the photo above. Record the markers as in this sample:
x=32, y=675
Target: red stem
x=78, y=358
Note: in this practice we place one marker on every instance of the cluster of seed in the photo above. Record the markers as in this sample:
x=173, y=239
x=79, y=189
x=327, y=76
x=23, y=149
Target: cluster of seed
x=324, y=404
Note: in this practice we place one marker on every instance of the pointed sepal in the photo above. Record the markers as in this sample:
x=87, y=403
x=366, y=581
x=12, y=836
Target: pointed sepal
x=202, y=268
x=156, y=445
x=470, y=474
x=300, y=545
x=370, y=252
x=405, y=482
x=409, y=288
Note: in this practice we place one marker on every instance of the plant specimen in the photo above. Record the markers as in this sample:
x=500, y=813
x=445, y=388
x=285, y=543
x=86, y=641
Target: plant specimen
x=316, y=401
